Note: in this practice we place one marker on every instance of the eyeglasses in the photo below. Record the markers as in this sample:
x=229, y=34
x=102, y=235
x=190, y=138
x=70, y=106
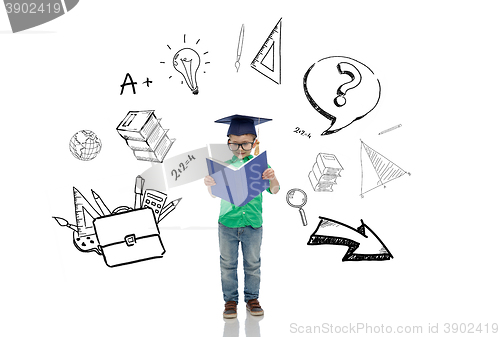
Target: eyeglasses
x=244, y=146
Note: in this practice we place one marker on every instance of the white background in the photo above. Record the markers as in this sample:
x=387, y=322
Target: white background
x=437, y=62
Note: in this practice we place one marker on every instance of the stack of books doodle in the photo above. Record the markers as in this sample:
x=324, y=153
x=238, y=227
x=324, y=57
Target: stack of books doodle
x=145, y=136
x=324, y=173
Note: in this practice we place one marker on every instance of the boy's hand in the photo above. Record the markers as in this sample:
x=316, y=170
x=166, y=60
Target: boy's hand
x=209, y=181
x=268, y=174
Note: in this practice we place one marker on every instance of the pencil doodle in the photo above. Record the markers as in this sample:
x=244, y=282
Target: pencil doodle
x=363, y=244
x=144, y=134
x=187, y=61
x=297, y=198
x=268, y=59
x=240, y=48
x=125, y=235
x=378, y=170
x=324, y=172
x=85, y=145
x=390, y=129
x=356, y=95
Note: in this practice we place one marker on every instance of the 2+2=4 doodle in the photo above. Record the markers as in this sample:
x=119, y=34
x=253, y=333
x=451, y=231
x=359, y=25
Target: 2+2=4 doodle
x=182, y=167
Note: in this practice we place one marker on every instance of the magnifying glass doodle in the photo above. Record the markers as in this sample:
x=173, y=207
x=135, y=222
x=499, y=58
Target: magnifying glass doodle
x=297, y=198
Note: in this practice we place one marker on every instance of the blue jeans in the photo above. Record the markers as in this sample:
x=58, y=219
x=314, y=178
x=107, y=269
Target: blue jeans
x=229, y=239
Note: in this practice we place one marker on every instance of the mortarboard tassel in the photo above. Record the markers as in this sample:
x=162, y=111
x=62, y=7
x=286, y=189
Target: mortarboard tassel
x=257, y=151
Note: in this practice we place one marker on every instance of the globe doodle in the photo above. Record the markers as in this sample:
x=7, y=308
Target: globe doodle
x=85, y=145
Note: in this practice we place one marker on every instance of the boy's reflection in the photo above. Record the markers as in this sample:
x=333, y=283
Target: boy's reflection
x=252, y=328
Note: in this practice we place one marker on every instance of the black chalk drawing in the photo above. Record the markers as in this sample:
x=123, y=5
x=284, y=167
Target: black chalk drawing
x=85, y=145
x=341, y=89
x=144, y=134
x=302, y=132
x=268, y=59
x=240, y=48
x=297, y=198
x=363, y=244
x=129, y=81
x=376, y=170
x=125, y=235
x=129, y=236
x=324, y=172
x=183, y=166
x=390, y=129
x=187, y=62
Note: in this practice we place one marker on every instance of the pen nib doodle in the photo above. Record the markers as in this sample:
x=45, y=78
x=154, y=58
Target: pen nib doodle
x=125, y=235
x=341, y=89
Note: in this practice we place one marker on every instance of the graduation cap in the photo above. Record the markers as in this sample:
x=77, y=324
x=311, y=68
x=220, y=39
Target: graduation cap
x=241, y=125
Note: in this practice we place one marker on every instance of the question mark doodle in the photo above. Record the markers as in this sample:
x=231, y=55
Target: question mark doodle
x=317, y=83
x=353, y=72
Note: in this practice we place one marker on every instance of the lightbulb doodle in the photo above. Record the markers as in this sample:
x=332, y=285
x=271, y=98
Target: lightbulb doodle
x=187, y=61
x=341, y=89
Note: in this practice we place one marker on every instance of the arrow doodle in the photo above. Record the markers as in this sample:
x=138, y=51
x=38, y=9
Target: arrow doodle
x=363, y=243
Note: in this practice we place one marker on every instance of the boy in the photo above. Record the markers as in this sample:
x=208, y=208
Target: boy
x=241, y=224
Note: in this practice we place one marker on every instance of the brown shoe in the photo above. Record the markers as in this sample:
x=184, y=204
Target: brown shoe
x=230, y=310
x=254, y=308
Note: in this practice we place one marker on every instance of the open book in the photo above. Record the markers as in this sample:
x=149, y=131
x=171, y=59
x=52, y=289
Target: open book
x=238, y=185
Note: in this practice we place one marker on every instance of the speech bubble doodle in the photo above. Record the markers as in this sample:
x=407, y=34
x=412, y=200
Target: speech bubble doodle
x=25, y=14
x=345, y=74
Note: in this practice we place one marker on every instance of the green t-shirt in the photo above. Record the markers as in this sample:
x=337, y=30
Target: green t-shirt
x=246, y=215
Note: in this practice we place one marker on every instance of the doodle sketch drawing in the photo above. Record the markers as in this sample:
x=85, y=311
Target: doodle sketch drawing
x=268, y=59
x=145, y=136
x=342, y=90
x=363, y=244
x=376, y=170
x=324, y=172
x=129, y=237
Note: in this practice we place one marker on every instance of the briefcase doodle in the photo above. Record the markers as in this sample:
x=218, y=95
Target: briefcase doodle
x=128, y=237
x=125, y=235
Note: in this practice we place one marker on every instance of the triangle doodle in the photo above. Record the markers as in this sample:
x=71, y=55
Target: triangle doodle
x=268, y=59
x=384, y=169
